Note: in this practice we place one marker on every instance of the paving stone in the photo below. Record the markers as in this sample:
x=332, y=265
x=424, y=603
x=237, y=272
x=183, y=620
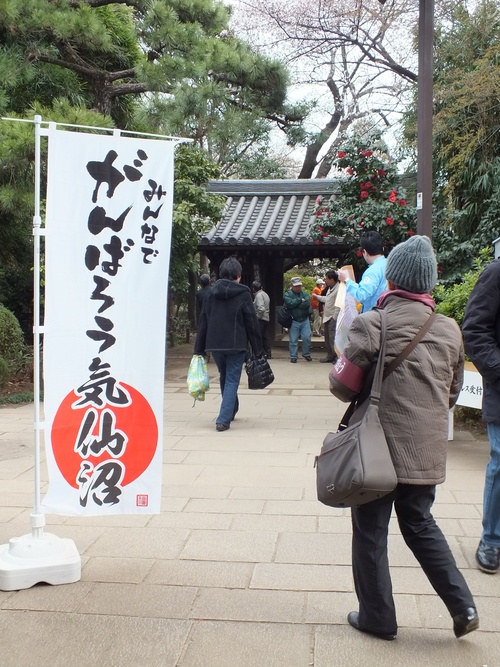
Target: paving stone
x=246, y=458
x=139, y=600
x=139, y=543
x=191, y=520
x=250, y=444
x=249, y=605
x=320, y=549
x=302, y=508
x=200, y=573
x=195, y=491
x=115, y=570
x=298, y=577
x=50, y=639
x=248, y=645
x=43, y=597
x=225, y=506
x=336, y=645
x=289, y=524
x=230, y=546
x=265, y=493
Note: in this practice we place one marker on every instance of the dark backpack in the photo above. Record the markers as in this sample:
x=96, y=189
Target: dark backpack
x=284, y=317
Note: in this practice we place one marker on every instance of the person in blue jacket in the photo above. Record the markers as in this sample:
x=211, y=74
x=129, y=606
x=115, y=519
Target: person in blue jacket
x=373, y=282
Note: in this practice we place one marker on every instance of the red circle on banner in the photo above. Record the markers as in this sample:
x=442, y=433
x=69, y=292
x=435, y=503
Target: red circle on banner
x=136, y=420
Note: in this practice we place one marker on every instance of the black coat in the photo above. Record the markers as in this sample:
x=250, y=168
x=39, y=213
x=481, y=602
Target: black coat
x=228, y=321
x=481, y=331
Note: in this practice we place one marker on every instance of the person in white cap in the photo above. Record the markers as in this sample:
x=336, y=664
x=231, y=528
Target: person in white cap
x=316, y=307
x=298, y=303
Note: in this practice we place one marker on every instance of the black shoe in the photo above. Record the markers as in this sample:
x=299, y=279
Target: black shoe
x=327, y=361
x=488, y=558
x=307, y=357
x=293, y=360
x=353, y=619
x=466, y=622
x=221, y=427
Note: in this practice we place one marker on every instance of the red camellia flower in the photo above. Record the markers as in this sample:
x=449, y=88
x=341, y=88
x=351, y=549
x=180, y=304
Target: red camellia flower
x=341, y=154
x=359, y=253
x=319, y=242
x=365, y=186
x=361, y=224
x=402, y=202
x=318, y=212
x=319, y=199
x=381, y=172
x=389, y=221
x=350, y=171
x=364, y=194
x=319, y=228
x=401, y=224
x=367, y=153
x=410, y=233
x=393, y=196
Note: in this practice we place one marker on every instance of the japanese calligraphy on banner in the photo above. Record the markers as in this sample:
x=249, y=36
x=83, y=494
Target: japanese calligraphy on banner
x=108, y=237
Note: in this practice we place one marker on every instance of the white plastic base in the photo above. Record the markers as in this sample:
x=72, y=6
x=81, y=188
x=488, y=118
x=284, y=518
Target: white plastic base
x=28, y=560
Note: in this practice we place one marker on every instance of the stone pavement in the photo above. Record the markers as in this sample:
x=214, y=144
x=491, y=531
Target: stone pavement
x=243, y=567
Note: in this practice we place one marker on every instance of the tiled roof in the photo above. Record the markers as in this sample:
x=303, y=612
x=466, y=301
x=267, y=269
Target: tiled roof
x=277, y=212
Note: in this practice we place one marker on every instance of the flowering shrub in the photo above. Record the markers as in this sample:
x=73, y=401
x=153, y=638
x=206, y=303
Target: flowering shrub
x=370, y=199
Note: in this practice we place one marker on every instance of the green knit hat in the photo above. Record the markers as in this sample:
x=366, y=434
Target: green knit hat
x=412, y=265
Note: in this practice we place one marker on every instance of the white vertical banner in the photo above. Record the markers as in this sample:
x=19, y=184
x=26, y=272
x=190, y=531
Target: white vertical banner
x=108, y=238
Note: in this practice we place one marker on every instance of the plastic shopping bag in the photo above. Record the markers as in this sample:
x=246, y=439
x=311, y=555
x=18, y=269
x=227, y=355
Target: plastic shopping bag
x=198, y=381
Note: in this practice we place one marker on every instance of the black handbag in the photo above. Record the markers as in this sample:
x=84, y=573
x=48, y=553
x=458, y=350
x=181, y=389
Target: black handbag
x=259, y=372
x=355, y=465
x=284, y=317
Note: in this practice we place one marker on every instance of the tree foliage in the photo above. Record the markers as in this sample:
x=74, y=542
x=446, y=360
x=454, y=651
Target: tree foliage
x=467, y=118
x=357, y=51
x=371, y=198
x=163, y=66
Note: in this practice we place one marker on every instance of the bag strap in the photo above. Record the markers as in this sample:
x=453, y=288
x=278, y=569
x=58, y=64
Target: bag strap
x=379, y=369
x=411, y=345
x=373, y=379
x=372, y=375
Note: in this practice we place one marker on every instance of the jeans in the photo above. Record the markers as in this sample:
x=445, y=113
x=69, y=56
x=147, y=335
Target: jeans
x=229, y=365
x=372, y=580
x=296, y=331
x=491, y=500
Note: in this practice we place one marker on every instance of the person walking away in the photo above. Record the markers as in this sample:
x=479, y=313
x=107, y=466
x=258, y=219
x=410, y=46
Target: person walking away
x=373, y=281
x=330, y=315
x=228, y=324
x=298, y=303
x=481, y=332
x=413, y=410
x=202, y=293
x=261, y=302
x=316, y=310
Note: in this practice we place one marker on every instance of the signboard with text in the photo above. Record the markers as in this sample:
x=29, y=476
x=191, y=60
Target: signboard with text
x=108, y=237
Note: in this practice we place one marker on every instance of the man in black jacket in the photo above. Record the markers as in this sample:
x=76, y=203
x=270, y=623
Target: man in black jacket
x=481, y=330
x=227, y=324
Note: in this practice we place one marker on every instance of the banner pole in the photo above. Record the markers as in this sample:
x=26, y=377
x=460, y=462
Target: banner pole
x=38, y=557
x=37, y=517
